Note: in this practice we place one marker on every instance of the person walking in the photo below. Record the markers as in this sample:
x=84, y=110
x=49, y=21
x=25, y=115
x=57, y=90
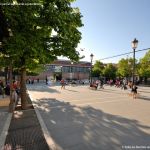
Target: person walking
x=46, y=79
x=101, y=84
x=134, y=91
x=62, y=82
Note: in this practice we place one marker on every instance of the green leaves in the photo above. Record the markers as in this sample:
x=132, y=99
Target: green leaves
x=97, y=69
x=144, y=65
x=123, y=68
x=110, y=71
x=32, y=27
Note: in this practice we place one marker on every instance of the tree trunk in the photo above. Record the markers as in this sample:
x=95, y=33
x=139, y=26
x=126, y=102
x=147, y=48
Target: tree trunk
x=23, y=89
x=11, y=104
x=145, y=80
x=6, y=75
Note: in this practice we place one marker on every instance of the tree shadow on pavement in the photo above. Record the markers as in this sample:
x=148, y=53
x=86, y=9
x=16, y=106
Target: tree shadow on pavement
x=143, y=91
x=144, y=97
x=87, y=128
x=111, y=91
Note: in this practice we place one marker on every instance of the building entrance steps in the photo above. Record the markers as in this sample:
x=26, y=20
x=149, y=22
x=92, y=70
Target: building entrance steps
x=25, y=132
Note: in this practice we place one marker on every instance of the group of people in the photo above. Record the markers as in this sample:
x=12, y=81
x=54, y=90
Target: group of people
x=97, y=83
x=124, y=84
x=119, y=83
x=5, y=89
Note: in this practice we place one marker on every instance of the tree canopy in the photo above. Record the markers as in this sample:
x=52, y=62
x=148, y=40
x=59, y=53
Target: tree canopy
x=110, y=71
x=97, y=69
x=125, y=67
x=144, y=65
x=40, y=33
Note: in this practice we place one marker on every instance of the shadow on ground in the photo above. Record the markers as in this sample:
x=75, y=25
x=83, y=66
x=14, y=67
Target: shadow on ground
x=144, y=97
x=111, y=91
x=143, y=91
x=87, y=128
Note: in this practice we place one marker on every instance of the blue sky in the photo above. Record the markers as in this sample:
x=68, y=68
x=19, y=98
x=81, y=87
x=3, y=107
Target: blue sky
x=111, y=25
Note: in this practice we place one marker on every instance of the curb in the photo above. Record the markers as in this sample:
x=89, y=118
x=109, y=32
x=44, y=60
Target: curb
x=49, y=140
x=5, y=131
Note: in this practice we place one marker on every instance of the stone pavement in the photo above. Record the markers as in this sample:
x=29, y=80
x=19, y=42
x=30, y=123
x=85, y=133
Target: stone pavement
x=5, y=119
x=78, y=118
x=25, y=132
x=21, y=130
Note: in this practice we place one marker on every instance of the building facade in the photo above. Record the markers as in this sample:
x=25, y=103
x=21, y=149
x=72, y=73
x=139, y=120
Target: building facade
x=67, y=70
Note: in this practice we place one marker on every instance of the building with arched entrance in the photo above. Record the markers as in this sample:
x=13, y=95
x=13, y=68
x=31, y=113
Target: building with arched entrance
x=67, y=70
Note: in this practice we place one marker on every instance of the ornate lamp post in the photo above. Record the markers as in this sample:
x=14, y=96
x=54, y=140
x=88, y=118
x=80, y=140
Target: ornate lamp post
x=91, y=68
x=134, y=46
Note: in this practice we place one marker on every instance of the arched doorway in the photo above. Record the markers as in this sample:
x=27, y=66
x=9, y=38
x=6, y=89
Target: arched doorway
x=57, y=76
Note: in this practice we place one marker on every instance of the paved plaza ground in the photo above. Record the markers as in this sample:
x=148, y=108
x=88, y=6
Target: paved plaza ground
x=79, y=118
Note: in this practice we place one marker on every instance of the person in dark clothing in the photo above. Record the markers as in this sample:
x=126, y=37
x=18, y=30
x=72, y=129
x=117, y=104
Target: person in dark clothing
x=46, y=80
x=7, y=89
x=2, y=92
x=37, y=80
x=134, y=91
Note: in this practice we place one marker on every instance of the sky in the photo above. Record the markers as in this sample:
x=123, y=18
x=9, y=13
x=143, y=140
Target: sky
x=111, y=25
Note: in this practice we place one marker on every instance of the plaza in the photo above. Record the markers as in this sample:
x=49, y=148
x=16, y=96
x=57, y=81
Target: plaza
x=45, y=43
x=79, y=118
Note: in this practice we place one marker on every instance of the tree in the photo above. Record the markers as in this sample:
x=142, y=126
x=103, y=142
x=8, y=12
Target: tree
x=36, y=71
x=125, y=67
x=144, y=66
x=110, y=71
x=40, y=34
x=97, y=69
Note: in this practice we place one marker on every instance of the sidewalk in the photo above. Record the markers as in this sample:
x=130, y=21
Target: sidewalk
x=5, y=118
x=21, y=131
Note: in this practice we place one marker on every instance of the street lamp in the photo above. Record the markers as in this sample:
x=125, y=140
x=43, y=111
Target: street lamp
x=91, y=68
x=61, y=67
x=71, y=70
x=134, y=46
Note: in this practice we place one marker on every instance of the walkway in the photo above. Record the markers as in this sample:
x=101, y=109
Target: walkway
x=24, y=132
x=78, y=118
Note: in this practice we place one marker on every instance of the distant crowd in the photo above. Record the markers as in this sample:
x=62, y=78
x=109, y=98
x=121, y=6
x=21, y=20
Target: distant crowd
x=118, y=83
